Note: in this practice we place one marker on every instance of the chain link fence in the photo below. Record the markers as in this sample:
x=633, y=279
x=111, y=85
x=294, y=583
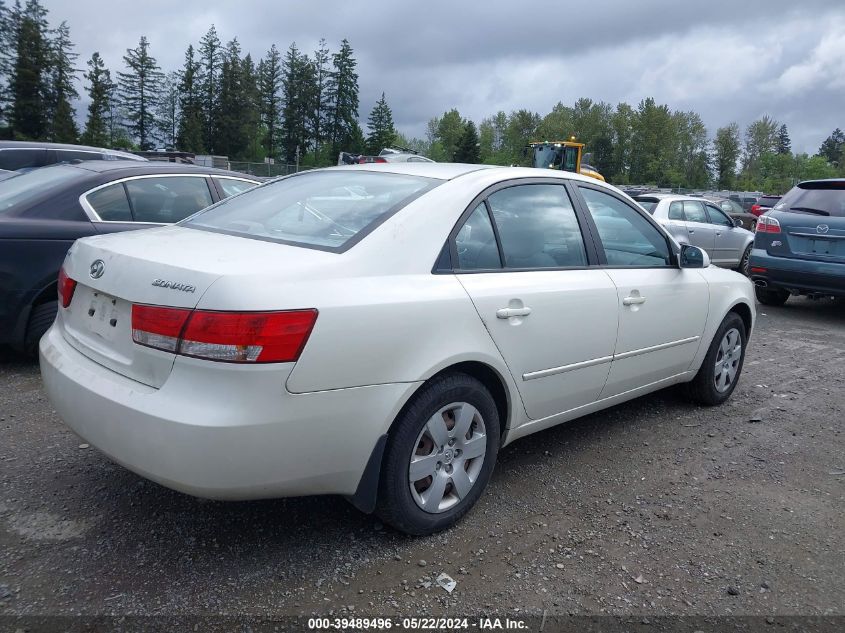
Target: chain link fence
x=266, y=170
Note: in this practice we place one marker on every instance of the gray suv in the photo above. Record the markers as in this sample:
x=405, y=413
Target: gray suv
x=799, y=246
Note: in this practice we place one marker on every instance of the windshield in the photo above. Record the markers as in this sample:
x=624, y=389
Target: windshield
x=817, y=198
x=24, y=188
x=331, y=210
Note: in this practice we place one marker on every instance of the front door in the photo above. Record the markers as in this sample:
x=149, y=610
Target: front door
x=662, y=308
x=552, y=317
x=730, y=240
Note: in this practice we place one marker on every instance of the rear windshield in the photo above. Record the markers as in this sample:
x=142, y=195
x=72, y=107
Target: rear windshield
x=648, y=204
x=20, y=190
x=329, y=210
x=823, y=199
x=768, y=201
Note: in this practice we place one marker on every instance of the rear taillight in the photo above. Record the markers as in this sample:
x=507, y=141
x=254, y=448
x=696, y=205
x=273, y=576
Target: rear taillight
x=755, y=209
x=767, y=224
x=235, y=337
x=66, y=288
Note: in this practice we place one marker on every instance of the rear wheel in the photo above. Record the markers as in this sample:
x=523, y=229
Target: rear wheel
x=771, y=296
x=440, y=455
x=744, y=268
x=40, y=320
x=716, y=379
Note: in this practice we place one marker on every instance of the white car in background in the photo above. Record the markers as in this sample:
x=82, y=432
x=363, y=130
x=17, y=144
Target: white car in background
x=380, y=332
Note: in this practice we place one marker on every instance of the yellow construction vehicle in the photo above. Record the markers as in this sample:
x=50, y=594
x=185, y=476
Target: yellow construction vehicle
x=566, y=155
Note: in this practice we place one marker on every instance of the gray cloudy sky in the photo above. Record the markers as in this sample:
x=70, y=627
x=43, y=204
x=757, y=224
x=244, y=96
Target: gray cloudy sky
x=729, y=60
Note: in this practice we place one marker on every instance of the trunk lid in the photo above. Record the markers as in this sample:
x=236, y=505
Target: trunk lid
x=808, y=236
x=168, y=266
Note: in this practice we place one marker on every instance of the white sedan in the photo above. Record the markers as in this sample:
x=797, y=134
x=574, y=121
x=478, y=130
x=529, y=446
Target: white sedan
x=380, y=332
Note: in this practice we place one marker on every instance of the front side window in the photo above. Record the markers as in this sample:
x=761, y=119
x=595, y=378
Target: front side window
x=165, y=200
x=717, y=217
x=628, y=239
x=476, y=242
x=322, y=209
x=538, y=227
x=110, y=203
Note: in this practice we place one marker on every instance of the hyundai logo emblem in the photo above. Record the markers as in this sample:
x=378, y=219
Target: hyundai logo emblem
x=822, y=228
x=98, y=267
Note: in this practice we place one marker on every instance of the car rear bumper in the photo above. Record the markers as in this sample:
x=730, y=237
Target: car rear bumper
x=222, y=432
x=801, y=275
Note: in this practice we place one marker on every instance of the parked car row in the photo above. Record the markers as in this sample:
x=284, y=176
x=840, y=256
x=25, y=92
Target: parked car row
x=24, y=155
x=43, y=211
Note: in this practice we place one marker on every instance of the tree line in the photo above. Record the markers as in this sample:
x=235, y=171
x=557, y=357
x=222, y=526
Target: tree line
x=221, y=101
x=647, y=144
x=301, y=105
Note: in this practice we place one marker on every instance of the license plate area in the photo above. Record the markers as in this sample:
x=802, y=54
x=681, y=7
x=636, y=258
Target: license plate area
x=104, y=316
x=821, y=247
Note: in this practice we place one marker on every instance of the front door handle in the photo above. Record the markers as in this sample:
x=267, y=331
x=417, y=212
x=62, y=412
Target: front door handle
x=633, y=300
x=507, y=313
x=691, y=231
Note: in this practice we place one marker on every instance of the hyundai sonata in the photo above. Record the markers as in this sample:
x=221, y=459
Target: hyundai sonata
x=380, y=332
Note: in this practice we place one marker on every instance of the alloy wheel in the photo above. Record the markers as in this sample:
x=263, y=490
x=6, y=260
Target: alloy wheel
x=727, y=360
x=447, y=457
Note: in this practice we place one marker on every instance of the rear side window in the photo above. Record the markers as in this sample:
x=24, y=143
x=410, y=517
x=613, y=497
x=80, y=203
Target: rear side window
x=21, y=191
x=110, y=203
x=331, y=210
x=676, y=211
x=231, y=186
x=694, y=212
x=476, y=242
x=822, y=199
x=649, y=204
x=628, y=239
x=537, y=227
x=165, y=200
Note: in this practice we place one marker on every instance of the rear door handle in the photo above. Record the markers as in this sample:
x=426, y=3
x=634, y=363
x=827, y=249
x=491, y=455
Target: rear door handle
x=507, y=313
x=633, y=301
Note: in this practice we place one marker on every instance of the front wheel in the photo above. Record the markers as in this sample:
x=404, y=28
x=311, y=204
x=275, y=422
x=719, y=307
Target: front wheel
x=716, y=379
x=771, y=296
x=440, y=455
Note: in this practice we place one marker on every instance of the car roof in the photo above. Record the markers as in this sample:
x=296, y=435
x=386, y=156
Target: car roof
x=151, y=167
x=440, y=171
x=68, y=146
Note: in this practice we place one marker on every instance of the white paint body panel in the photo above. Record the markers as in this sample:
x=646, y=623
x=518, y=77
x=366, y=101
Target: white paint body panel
x=386, y=324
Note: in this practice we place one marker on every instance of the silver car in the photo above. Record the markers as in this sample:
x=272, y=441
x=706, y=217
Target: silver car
x=702, y=223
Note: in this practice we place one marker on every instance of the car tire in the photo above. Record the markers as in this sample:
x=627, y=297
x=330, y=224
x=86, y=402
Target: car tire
x=709, y=387
x=771, y=296
x=40, y=320
x=417, y=437
x=744, y=266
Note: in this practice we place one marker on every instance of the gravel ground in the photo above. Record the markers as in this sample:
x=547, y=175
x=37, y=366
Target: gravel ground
x=654, y=507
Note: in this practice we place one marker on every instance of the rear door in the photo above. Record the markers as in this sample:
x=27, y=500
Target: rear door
x=701, y=232
x=522, y=258
x=662, y=308
x=730, y=242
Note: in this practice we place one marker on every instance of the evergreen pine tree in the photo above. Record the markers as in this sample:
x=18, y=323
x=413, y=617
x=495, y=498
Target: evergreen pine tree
x=468, y=147
x=167, y=111
x=8, y=28
x=250, y=108
x=299, y=88
x=382, y=133
x=322, y=60
x=29, y=81
x=100, y=89
x=784, y=144
x=211, y=56
x=342, y=97
x=61, y=114
x=140, y=91
x=191, y=128
x=833, y=147
x=270, y=90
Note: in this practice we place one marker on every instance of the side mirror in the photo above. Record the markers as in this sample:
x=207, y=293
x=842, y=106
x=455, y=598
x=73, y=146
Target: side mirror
x=738, y=222
x=694, y=257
